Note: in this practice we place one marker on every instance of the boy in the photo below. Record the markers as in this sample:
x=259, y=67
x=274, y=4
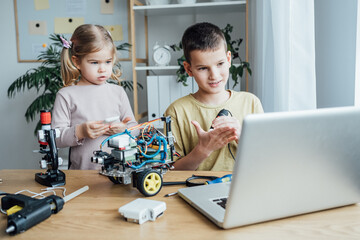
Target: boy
x=208, y=61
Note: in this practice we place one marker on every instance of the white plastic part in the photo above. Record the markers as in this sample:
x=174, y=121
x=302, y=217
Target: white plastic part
x=60, y=161
x=142, y=210
x=112, y=119
x=46, y=127
x=57, y=132
x=99, y=160
x=121, y=141
x=43, y=164
x=41, y=136
x=75, y=194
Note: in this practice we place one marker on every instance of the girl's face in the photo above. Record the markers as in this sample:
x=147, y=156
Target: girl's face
x=95, y=68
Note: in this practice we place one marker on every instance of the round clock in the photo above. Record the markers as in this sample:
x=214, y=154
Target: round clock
x=161, y=55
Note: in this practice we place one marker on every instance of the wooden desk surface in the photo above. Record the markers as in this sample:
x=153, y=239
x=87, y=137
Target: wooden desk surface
x=94, y=214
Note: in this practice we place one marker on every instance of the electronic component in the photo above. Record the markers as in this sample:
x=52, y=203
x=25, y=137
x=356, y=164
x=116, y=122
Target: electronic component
x=142, y=210
x=112, y=119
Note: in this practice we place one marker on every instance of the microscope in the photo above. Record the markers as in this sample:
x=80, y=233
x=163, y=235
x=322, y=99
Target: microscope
x=53, y=177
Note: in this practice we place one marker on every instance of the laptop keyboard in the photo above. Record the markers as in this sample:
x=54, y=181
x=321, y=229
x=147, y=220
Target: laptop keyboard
x=221, y=202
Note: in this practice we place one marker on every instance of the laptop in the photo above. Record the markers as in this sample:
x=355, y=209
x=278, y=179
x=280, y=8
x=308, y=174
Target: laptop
x=287, y=164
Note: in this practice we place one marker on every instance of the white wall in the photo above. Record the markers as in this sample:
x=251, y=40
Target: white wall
x=17, y=138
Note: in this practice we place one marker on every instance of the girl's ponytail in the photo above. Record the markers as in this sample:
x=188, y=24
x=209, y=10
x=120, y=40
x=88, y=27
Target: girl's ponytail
x=69, y=73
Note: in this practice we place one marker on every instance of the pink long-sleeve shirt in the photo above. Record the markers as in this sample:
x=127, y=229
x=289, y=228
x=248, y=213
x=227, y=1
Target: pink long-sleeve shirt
x=75, y=105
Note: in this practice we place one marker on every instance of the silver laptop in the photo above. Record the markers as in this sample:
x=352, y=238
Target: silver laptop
x=287, y=164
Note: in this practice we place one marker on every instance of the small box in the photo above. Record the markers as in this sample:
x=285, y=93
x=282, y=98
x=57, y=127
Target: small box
x=142, y=210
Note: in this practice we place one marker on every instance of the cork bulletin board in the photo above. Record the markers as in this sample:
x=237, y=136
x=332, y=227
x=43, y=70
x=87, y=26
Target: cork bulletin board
x=35, y=20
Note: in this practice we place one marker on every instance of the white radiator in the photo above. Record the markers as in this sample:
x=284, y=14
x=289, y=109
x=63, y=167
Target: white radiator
x=163, y=90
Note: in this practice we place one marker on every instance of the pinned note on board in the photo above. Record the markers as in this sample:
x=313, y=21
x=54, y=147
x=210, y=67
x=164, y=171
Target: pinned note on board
x=115, y=31
x=107, y=6
x=37, y=28
x=35, y=21
x=67, y=25
x=76, y=7
x=41, y=4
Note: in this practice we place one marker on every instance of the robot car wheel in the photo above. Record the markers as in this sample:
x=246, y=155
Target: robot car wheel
x=149, y=182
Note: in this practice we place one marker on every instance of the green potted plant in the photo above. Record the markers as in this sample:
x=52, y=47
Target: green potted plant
x=236, y=70
x=46, y=79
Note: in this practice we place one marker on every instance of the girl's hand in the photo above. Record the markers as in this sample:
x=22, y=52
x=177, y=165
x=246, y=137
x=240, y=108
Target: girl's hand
x=117, y=127
x=91, y=129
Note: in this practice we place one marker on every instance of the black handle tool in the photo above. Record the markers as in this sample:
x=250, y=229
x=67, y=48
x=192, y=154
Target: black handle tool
x=25, y=212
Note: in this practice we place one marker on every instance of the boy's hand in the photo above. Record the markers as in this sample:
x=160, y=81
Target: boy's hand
x=224, y=121
x=214, y=139
x=117, y=127
x=91, y=129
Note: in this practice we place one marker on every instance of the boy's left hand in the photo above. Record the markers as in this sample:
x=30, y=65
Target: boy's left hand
x=226, y=121
x=117, y=127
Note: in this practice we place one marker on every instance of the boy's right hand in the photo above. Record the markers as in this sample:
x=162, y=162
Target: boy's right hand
x=207, y=143
x=215, y=139
x=91, y=129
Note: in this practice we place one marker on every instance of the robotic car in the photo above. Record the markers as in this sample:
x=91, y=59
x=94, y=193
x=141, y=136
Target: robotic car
x=141, y=160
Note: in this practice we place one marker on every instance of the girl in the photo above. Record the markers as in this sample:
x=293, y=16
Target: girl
x=80, y=107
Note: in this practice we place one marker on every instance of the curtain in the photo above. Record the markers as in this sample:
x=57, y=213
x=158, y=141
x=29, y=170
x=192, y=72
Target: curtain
x=282, y=50
x=357, y=58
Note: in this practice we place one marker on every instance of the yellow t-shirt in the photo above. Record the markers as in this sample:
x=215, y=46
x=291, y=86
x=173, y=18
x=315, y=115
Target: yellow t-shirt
x=186, y=109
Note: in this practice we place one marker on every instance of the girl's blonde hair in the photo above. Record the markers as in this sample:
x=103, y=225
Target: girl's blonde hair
x=87, y=38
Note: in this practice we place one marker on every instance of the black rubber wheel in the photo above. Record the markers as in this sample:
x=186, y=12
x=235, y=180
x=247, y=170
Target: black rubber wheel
x=149, y=182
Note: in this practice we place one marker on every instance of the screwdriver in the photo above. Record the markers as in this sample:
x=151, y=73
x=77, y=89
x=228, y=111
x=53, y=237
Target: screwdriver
x=25, y=212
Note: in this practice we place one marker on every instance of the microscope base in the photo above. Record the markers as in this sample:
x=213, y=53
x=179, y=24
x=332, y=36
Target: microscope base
x=51, y=178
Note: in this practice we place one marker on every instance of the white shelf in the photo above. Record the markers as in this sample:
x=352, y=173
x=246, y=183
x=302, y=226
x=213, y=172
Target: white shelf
x=178, y=9
x=157, y=68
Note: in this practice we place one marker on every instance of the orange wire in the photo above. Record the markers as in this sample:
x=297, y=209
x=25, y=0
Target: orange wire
x=141, y=124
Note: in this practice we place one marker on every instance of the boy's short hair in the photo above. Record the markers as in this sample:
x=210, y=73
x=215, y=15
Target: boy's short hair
x=202, y=36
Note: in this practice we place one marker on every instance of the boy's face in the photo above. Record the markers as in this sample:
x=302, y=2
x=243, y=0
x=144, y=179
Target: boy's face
x=210, y=69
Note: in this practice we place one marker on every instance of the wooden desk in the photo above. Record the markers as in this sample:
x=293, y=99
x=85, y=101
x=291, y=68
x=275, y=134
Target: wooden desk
x=94, y=215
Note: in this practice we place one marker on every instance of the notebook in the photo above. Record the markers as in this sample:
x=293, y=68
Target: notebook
x=287, y=164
